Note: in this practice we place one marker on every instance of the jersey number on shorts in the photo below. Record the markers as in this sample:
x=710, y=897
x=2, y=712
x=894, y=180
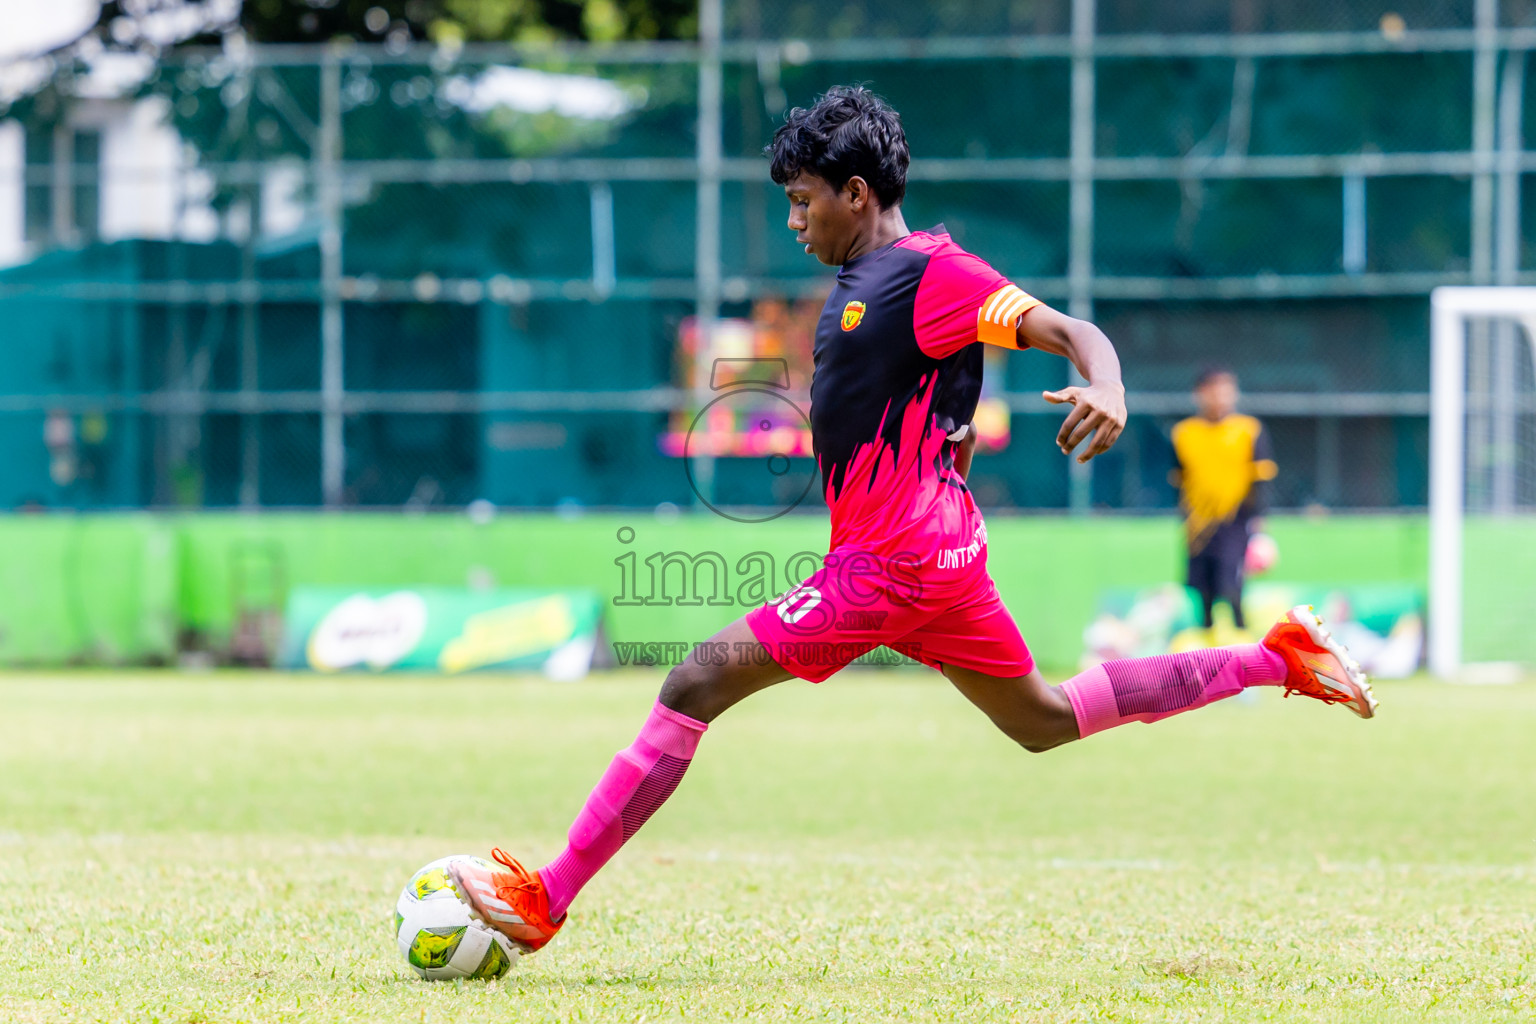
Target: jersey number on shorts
x=797, y=603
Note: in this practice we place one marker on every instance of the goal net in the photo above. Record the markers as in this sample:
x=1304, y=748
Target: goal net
x=1482, y=486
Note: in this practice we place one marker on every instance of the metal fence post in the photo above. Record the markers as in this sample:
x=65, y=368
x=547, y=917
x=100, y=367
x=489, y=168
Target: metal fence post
x=706, y=249
x=1080, y=258
x=1506, y=268
x=333, y=450
x=250, y=377
x=1485, y=60
x=604, y=256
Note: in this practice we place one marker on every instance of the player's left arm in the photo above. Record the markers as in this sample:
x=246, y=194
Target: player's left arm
x=964, y=450
x=1098, y=411
x=961, y=300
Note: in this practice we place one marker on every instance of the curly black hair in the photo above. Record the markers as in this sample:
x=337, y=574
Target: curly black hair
x=849, y=132
x=1211, y=372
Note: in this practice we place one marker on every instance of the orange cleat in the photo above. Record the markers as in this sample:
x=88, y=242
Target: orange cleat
x=514, y=901
x=1317, y=665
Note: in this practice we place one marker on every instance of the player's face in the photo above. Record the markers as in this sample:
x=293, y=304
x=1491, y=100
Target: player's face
x=821, y=217
x=1217, y=397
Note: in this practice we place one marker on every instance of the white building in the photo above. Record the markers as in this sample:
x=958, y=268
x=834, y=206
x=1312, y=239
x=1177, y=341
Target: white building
x=116, y=168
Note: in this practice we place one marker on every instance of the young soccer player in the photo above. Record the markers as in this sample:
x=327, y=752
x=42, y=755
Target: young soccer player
x=897, y=374
x=1223, y=461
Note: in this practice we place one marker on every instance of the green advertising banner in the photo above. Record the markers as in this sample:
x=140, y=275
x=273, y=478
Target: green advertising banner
x=441, y=629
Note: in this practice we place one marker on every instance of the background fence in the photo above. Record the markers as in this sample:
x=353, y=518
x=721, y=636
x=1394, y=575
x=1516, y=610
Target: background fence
x=402, y=275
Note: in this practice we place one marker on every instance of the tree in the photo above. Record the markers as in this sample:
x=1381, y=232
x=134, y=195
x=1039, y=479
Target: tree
x=153, y=24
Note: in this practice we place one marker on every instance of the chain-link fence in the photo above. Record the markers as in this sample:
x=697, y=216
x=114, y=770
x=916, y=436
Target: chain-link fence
x=413, y=276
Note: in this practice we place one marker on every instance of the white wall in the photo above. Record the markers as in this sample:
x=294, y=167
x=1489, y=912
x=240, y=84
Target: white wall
x=140, y=165
x=151, y=186
x=282, y=212
x=13, y=195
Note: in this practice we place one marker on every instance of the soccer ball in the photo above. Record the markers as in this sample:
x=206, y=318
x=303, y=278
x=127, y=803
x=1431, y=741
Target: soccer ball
x=437, y=936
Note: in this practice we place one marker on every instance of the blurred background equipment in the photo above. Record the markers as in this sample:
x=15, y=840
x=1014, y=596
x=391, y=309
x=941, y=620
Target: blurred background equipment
x=404, y=256
x=1382, y=624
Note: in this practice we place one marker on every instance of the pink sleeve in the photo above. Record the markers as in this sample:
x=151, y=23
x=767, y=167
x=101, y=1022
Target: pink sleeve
x=961, y=300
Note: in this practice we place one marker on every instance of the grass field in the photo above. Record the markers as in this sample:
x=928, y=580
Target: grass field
x=228, y=848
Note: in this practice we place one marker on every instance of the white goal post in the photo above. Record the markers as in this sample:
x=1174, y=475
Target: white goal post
x=1452, y=310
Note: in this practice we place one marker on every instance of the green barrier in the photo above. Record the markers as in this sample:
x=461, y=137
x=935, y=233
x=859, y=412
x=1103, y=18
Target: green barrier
x=87, y=590
x=122, y=588
x=705, y=568
x=1050, y=569
x=441, y=629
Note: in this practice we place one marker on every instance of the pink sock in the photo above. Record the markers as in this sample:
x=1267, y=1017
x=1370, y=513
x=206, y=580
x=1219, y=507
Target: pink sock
x=639, y=780
x=1152, y=689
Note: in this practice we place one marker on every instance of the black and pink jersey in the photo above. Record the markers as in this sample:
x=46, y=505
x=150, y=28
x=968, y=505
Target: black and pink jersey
x=897, y=371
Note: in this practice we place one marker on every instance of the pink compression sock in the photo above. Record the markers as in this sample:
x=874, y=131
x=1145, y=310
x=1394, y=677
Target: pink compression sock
x=639, y=780
x=1152, y=689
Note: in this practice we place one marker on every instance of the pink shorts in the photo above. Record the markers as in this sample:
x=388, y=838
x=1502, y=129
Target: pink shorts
x=859, y=601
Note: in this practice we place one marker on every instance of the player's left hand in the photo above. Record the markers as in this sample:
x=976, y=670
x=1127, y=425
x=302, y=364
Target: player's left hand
x=1098, y=411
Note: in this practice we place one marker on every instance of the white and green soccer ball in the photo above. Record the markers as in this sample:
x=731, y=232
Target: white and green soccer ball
x=437, y=936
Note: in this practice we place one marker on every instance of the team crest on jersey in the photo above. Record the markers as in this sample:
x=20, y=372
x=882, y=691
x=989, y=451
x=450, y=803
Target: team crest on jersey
x=852, y=314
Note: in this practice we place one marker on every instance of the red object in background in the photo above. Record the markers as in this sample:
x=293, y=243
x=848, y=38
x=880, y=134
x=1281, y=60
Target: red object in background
x=783, y=334
x=1262, y=554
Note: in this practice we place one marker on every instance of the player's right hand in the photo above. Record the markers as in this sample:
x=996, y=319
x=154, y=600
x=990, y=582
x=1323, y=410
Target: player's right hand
x=1098, y=411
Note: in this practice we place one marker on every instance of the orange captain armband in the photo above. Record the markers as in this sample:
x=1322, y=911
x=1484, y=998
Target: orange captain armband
x=997, y=322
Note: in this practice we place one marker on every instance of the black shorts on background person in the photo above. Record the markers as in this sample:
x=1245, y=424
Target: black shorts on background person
x=1216, y=571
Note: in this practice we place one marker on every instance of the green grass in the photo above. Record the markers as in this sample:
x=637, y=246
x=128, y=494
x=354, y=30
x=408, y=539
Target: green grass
x=229, y=849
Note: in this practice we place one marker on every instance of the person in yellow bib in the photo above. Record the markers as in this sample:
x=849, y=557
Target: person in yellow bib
x=1224, y=460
